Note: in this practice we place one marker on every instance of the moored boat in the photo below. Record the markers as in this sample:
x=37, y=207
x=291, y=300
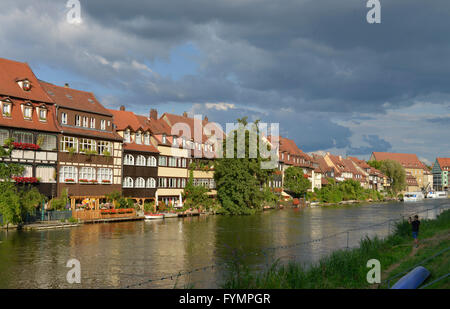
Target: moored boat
x=150, y=216
x=413, y=196
x=437, y=194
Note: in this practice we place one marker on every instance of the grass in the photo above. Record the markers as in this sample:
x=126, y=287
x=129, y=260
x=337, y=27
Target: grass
x=347, y=268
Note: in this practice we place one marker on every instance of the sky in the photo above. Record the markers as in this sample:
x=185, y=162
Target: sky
x=331, y=80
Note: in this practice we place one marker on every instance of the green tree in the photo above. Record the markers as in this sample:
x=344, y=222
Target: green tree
x=240, y=180
x=375, y=164
x=295, y=182
x=15, y=202
x=396, y=174
x=195, y=196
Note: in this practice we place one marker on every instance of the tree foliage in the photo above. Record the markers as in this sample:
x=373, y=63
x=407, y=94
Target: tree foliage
x=344, y=191
x=240, y=180
x=195, y=196
x=15, y=202
x=394, y=171
x=295, y=182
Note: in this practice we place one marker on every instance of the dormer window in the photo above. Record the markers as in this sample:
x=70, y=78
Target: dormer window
x=103, y=125
x=63, y=118
x=127, y=136
x=27, y=112
x=85, y=122
x=42, y=114
x=92, y=123
x=6, y=109
x=24, y=84
x=147, y=139
x=78, y=120
x=138, y=138
x=164, y=139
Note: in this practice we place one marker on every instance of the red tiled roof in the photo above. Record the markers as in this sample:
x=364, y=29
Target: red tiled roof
x=142, y=148
x=74, y=99
x=407, y=160
x=173, y=119
x=90, y=133
x=125, y=119
x=13, y=71
x=444, y=163
x=17, y=121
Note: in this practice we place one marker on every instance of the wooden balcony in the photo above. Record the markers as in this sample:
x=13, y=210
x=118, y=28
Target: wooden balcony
x=104, y=215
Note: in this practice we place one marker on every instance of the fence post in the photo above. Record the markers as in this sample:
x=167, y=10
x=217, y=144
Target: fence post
x=347, y=238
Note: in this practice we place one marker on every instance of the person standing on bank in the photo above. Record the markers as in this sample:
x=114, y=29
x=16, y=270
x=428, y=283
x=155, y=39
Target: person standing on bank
x=415, y=229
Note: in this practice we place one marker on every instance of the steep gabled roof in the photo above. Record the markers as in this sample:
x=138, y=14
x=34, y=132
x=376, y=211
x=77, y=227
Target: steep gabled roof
x=407, y=160
x=74, y=99
x=444, y=163
x=11, y=72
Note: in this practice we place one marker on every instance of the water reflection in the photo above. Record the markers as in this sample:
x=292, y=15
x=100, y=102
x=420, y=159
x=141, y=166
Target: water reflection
x=118, y=254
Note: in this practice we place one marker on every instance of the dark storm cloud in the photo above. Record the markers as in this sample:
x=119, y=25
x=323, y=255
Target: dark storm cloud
x=318, y=59
x=375, y=144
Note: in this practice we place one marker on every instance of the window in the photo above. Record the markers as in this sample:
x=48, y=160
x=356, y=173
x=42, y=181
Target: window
x=4, y=135
x=47, y=142
x=78, y=120
x=103, y=125
x=162, y=161
x=164, y=139
x=129, y=160
x=104, y=147
x=6, y=109
x=151, y=183
x=138, y=138
x=87, y=145
x=104, y=175
x=162, y=182
x=42, y=114
x=127, y=136
x=128, y=182
x=27, y=112
x=199, y=147
x=184, y=162
x=63, y=118
x=184, y=142
x=140, y=182
x=68, y=174
x=87, y=174
x=183, y=182
x=85, y=122
x=140, y=160
x=69, y=143
x=151, y=161
x=172, y=162
x=46, y=173
x=23, y=137
x=147, y=139
x=92, y=123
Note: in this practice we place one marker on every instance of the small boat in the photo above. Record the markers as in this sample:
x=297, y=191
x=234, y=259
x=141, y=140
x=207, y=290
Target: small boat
x=413, y=197
x=413, y=279
x=437, y=194
x=170, y=215
x=314, y=204
x=150, y=216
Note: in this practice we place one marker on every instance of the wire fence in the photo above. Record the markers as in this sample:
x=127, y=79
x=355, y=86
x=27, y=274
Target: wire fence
x=173, y=279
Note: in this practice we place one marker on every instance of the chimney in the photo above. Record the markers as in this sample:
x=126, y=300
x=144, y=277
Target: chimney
x=153, y=114
x=122, y=108
x=185, y=114
x=66, y=85
x=340, y=157
x=206, y=119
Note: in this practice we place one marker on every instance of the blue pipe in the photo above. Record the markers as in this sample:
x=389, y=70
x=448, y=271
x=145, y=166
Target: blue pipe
x=413, y=279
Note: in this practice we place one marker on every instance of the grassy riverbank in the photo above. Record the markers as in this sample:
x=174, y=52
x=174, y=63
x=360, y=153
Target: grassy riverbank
x=347, y=268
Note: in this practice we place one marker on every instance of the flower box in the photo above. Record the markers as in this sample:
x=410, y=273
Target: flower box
x=25, y=180
x=106, y=181
x=69, y=180
x=25, y=146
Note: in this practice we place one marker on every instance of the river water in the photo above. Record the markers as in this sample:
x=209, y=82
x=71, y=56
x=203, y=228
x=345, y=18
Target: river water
x=120, y=255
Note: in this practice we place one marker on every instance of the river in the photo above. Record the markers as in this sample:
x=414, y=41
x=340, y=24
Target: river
x=119, y=255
